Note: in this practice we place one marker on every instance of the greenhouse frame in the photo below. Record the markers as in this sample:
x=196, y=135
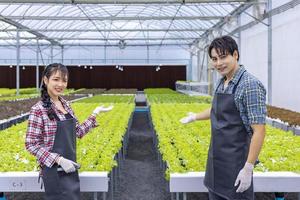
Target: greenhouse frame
x=149, y=60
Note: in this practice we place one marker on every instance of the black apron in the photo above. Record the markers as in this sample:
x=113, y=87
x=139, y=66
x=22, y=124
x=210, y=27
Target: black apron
x=58, y=184
x=228, y=149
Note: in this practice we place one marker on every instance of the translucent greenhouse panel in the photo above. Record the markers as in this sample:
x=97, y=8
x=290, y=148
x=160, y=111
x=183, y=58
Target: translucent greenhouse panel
x=276, y=3
x=254, y=52
x=286, y=31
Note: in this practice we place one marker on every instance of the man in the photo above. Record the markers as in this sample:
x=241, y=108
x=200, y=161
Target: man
x=237, y=125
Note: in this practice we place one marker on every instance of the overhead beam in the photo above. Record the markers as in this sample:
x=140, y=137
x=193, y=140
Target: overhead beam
x=37, y=34
x=235, y=12
x=113, y=18
x=120, y=1
x=273, y=12
x=100, y=39
x=107, y=30
x=76, y=44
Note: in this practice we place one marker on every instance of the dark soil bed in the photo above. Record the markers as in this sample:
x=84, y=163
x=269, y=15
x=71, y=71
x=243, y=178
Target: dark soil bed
x=293, y=118
x=13, y=108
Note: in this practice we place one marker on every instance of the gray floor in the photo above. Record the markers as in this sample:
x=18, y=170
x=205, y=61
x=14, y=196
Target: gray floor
x=141, y=178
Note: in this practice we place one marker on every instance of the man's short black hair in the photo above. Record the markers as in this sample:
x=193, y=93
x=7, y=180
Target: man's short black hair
x=224, y=45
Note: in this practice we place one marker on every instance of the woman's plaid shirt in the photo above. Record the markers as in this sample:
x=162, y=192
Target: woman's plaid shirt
x=41, y=131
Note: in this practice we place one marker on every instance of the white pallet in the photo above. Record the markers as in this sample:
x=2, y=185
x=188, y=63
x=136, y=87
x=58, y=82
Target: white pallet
x=263, y=182
x=28, y=182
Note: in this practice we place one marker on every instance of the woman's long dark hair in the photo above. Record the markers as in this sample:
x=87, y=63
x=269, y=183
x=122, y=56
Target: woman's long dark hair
x=49, y=71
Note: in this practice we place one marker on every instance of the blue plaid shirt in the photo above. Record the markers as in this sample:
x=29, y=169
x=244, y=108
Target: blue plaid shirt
x=250, y=97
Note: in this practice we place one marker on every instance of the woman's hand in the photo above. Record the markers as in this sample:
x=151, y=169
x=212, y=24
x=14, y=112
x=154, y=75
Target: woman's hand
x=190, y=118
x=101, y=108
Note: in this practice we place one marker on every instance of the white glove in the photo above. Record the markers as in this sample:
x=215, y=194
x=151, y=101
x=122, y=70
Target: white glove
x=190, y=118
x=102, y=109
x=67, y=165
x=244, y=177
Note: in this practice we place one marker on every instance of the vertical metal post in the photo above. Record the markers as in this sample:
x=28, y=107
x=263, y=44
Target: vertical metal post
x=147, y=53
x=62, y=54
x=209, y=80
x=184, y=196
x=239, y=36
x=148, y=45
x=105, y=49
x=18, y=64
x=37, y=67
x=190, y=68
x=270, y=54
x=198, y=66
x=95, y=196
x=104, y=196
x=51, y=54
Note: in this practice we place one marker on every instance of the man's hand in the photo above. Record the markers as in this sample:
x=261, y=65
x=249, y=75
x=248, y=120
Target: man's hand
x=100, y=109
x=190, y=118
x=244, y=177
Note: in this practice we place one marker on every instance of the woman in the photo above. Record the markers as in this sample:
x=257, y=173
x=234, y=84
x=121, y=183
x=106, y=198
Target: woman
x=51, y=135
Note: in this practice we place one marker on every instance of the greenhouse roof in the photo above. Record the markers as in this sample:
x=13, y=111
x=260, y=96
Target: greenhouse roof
x=112, y=22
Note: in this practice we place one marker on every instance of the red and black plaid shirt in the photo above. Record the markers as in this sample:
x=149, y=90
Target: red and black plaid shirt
x=41, y=131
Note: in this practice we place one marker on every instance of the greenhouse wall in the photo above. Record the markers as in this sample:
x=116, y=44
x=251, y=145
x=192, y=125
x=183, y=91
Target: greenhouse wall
x=285, y=68
x=286, y=59
x=96, y=55
x=254, y=52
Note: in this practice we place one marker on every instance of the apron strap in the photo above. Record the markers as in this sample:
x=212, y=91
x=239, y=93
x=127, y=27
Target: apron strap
x=68, y=116
x=216, y=91
x=56, y=117
x=41, y=180
x=235, y=86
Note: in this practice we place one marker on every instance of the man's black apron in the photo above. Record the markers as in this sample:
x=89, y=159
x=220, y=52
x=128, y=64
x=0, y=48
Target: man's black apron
x=228, y=149
x=58, y=184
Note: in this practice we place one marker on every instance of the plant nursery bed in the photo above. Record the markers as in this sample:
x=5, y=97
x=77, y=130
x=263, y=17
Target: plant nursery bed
x=121, y=91
x=13, y=108
x=288, y=116
x=183, y=148
x=99, y=152
x=112, y=127
x=93, y=91
x=284, y=119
